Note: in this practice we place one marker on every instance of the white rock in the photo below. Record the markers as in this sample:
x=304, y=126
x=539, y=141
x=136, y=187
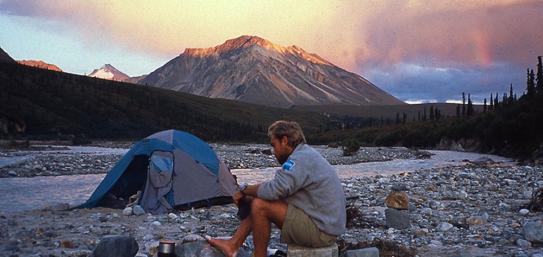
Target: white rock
x=127, y=211
x=172, y=216
x=138, y=210
x=225, y=216
x=524, y=212
x=156, y=223
x=523, y=243
x=462, y=194
x=115, y=215
x=444, y=226
x=504, y=206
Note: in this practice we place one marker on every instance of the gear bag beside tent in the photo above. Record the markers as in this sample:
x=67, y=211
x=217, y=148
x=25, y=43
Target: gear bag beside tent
x=173, y=170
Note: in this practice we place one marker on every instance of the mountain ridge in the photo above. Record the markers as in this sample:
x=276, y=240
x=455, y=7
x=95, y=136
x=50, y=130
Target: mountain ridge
x=255, y=70
x=40, y=64
x=4, y=57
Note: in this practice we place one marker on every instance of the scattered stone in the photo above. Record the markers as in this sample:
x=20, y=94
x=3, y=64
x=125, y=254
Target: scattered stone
x=533, y=231
x=462, y=194
x=444, y=226
x=523, y=243
x=202, y=249
x=399, y=187
x=67, y=244
x=172, y=216
x=476, y=220
x=156, y=223
x=138, y=210
x=127, y=211
x=365, y=252
x=12, y=173
x=192, y=238
x=397, y=200
x=524, y=212
x=58, y=207
x=398, y=219
x=116, y=246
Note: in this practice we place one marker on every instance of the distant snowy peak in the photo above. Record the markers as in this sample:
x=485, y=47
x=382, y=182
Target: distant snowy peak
x=109, y=72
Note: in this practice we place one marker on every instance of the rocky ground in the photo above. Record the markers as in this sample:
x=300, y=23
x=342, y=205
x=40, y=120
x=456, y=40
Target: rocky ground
x=474, y=210
x=41, y=162
x=470, y=210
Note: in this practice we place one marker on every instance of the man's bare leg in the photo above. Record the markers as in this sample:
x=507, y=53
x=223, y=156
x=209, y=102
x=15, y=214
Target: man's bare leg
x=230, y=247
x=262, y=213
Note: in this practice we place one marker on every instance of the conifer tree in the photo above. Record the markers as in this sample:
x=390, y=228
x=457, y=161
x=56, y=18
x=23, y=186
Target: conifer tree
x=539, y=75
x=470, y=106
x=484, y=105
x=463, y=104
x=496, y=103
x=530, y=87
x=491, y=102
x=511, y=93
x=404, y=120
x=431, y=112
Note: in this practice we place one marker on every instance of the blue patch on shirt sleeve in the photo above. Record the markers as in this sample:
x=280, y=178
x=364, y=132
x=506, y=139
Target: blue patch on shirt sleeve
x=288, y=165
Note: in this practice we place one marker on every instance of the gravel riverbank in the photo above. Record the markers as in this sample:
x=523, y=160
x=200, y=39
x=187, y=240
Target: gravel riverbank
x=57, y=161
x=444, y=206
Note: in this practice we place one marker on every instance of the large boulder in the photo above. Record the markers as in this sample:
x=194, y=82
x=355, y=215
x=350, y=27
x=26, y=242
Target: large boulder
x=533, y=231
x=116, y=246
x=398, y=219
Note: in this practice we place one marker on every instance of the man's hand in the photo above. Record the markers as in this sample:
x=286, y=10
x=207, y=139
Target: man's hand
x=237, y=197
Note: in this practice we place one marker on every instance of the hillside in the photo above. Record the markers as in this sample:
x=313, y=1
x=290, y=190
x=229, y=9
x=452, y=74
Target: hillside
x=52, y=104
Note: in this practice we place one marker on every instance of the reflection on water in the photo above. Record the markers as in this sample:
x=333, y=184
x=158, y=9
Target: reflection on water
x=19, y=194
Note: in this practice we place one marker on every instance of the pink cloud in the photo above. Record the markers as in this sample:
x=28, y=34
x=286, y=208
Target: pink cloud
x=353, y=34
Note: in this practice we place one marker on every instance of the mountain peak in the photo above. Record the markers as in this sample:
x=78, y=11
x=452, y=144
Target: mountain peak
x=240, y=42
x=107, y=71
x=255, y=70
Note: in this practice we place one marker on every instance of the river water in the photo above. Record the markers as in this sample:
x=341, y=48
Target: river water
x=20, y=194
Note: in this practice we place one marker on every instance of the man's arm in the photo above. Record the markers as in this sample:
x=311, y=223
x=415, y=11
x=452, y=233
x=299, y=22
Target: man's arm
x=251, y=190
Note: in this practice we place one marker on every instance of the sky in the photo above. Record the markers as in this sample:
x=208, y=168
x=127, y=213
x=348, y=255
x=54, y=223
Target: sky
x=417, y=50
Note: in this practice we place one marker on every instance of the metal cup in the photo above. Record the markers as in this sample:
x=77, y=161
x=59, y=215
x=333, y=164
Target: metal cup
x=166, y=248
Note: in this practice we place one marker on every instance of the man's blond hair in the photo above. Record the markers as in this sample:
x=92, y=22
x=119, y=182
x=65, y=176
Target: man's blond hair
x=290, y=129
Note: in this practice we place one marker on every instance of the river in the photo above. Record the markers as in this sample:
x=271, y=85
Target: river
x=21, y=194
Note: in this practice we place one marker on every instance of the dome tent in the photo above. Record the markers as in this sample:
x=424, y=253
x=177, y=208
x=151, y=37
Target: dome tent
x=173, y=169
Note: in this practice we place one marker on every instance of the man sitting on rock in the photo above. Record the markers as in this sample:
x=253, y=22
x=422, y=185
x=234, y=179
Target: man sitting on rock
x=305, y=199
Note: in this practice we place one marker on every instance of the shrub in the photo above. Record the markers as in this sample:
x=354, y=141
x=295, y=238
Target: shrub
x=350, y=147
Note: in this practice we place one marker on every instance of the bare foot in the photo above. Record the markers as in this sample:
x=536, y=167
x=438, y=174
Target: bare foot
x=225, y=246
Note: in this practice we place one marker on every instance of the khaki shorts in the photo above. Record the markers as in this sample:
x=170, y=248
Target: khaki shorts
x=299, y=229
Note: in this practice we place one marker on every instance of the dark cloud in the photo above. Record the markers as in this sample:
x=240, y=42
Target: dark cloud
x=411, y=82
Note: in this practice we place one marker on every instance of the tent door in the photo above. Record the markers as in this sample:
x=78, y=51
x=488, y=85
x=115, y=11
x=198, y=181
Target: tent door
x=158, y=186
